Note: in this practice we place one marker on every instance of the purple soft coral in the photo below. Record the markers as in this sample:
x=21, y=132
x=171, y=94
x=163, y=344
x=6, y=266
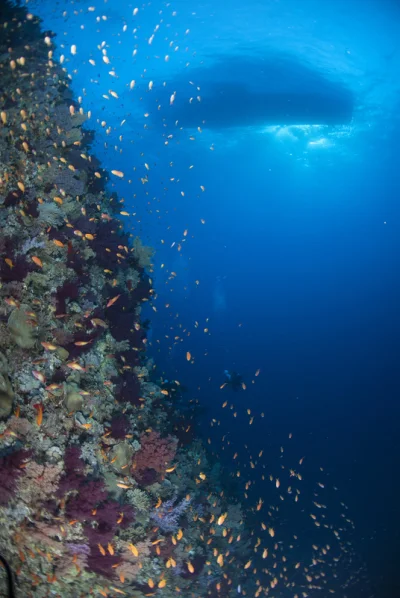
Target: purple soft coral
x=168, y=515
x=119, y=426
x=80, y=549
x=90, y=495
x=106, y=519
x=102, y=564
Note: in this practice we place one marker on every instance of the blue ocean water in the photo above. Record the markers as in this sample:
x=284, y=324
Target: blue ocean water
x=261, y=142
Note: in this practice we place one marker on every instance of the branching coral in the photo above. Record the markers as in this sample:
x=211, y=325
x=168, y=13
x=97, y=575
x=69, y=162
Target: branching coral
x=168, y=514
x=32, y=243
x=139, y=499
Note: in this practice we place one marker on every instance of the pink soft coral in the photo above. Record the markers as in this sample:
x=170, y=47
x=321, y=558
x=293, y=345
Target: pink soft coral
x=155, y=454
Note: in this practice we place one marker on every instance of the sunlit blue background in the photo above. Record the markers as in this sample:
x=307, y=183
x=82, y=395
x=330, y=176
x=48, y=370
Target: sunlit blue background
x=287, y=113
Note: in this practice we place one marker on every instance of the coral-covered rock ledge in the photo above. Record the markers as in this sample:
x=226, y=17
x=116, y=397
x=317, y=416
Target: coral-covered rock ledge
x=102, y=490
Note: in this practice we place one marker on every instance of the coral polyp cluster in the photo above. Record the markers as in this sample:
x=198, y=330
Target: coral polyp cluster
x=102, y=491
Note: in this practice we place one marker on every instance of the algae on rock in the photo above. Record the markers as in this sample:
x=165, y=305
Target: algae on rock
x=19, y=327
x=122, y=456
x=73, y=400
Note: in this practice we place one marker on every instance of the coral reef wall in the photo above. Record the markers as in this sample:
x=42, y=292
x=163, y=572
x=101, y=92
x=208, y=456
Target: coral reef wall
x=102, y=490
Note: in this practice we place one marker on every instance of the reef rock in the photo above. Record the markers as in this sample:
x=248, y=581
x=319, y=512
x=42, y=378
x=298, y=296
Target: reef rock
x=6, y=391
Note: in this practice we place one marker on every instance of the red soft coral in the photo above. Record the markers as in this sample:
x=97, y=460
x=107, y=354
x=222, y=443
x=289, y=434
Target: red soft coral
x=155, y=453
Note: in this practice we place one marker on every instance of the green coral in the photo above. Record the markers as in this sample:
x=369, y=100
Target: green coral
x=139, y=499
x=62, y=353
x=37, y=282
x=50, y=214
x=21, y=331
x=73, y=400
x=143, y=253
x=122, y=454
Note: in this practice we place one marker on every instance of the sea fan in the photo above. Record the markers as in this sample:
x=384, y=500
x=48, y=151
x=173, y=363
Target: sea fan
x=167, y=516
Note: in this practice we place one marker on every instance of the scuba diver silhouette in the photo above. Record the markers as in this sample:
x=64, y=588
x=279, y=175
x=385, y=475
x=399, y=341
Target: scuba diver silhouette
x=233, y=380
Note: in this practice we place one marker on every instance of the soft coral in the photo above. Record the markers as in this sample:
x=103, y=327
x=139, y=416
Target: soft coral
x=10, y=471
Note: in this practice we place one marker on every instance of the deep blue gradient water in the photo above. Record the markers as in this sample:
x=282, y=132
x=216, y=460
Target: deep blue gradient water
x=286, y=113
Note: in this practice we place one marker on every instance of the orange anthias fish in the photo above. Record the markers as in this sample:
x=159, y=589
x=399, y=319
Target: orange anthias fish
x=74, y=365
x=49, y=346
x=11, y=301
x=39, y=417
x=53, y=387
x=37, y=261
x=113, y=300
x=39, y=376
x=98, y=322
